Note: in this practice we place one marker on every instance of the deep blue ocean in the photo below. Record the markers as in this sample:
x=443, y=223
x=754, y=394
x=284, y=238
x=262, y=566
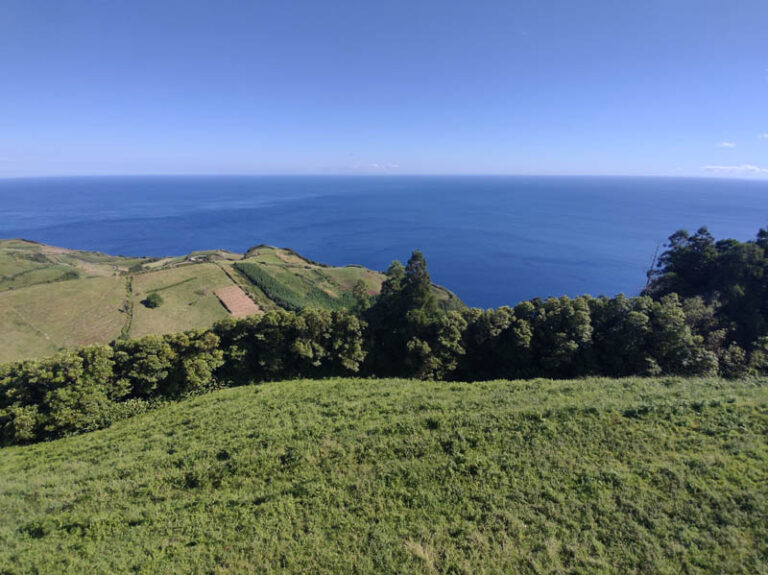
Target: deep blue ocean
x=492, y=240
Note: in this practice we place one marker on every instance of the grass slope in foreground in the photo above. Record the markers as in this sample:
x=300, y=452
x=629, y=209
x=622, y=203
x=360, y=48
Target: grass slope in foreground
x=384, y=476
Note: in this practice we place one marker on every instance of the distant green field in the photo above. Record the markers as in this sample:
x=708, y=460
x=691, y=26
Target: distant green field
x=53, y=298
x=385, y=476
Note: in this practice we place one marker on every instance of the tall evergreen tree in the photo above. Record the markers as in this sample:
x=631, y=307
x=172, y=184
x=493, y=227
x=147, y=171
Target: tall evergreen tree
x=361, y=297
x=417, y=286
x=384, y=318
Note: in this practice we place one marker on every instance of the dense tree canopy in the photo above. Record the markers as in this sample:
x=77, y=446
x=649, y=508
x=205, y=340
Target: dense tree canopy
x=730, y=277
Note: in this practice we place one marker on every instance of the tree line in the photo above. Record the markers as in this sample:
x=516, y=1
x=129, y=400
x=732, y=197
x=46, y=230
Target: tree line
x=703, y=312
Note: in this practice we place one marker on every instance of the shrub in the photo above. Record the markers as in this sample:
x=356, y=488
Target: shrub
x=153, y=300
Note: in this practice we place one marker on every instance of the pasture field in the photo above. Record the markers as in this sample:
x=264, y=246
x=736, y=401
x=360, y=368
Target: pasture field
x=346, y=278
x=24, y=263
x=45, y=318
x=634, y=475
x=189, y=299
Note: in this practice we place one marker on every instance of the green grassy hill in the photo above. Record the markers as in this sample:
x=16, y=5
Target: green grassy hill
x=53, y=298
x=385, y=476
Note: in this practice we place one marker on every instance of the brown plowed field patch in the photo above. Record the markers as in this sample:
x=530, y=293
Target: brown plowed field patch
x=237, y=302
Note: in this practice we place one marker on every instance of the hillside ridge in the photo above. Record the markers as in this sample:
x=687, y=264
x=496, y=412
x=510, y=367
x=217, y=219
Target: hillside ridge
x=87, y=297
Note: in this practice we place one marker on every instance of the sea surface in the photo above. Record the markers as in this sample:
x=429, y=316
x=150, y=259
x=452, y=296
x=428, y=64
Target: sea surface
x=492, y=240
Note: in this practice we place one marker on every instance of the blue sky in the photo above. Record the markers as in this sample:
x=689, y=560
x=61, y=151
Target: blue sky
x=672, y=87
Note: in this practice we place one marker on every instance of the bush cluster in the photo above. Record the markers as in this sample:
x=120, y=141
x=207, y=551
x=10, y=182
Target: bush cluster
x=92, y=387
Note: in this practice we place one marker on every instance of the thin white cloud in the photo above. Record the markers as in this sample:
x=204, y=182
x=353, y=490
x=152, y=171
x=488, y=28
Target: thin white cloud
x=726, y=144
x=741, y=169
x=376, y=166
x=763, y=136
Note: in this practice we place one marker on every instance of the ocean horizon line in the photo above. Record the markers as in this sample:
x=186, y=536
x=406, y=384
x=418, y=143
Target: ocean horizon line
x=368, y=175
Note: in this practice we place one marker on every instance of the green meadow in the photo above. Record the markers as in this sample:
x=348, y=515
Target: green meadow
x=666, y=475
